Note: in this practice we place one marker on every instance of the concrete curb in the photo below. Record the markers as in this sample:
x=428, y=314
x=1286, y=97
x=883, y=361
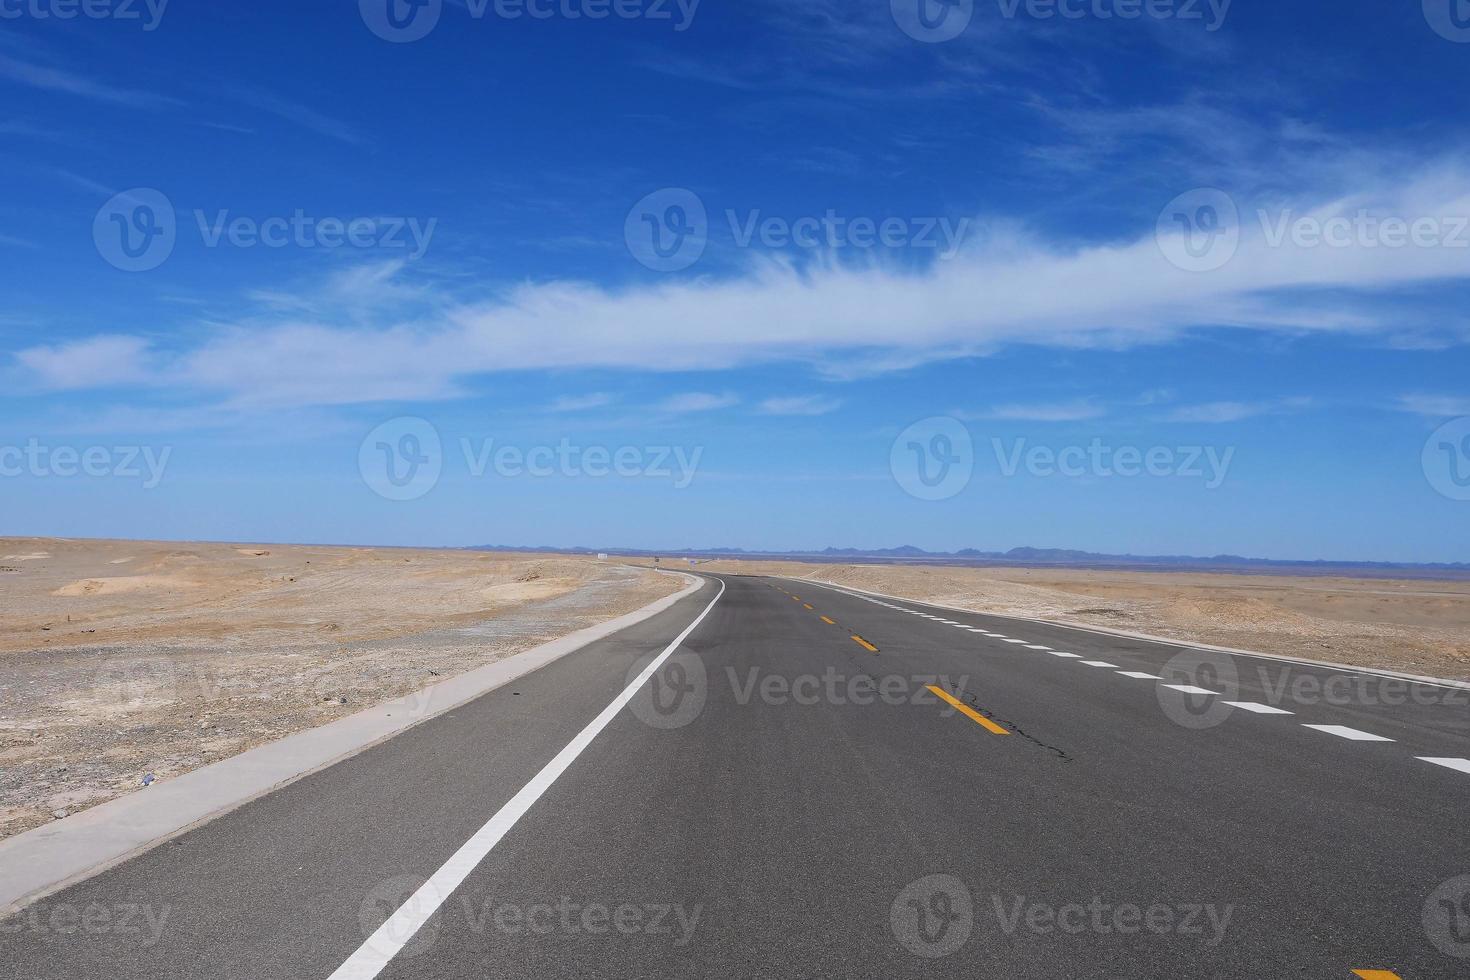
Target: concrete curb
x=1174, y=642
x=44, y=860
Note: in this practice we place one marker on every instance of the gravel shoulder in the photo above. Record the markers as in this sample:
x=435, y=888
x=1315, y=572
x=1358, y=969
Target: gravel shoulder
x=122, y=660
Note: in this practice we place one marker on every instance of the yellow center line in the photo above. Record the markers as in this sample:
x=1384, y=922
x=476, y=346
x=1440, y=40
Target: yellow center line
x=1378, y=975
x=807, y=604
x=829, y=622
x=864, y=644
x=796, y=598
x=968, y=711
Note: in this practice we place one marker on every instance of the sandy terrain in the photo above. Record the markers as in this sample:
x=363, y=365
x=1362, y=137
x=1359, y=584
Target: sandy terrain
x=1418, y=626
x=119, y=658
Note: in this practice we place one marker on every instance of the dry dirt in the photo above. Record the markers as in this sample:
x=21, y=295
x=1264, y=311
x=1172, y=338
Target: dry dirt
x=120, y=659
x=1417, y=626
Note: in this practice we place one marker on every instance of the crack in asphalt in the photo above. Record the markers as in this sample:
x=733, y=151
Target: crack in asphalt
x=1061, y=754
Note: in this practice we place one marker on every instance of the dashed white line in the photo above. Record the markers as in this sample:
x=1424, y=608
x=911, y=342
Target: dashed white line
x=1009, y=640
x=1036, y=646
x=1188, y=688
x=1342, y=731
x=1062, y=653
x=1459, y=765
x=1257, y=707
x=1140, y=675
x=1098, y=663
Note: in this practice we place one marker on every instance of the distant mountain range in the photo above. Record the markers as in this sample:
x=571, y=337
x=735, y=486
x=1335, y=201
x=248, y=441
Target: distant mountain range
x=1040, y=558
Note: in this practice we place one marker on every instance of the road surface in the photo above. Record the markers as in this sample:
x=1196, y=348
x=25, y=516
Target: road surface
x=777, y=779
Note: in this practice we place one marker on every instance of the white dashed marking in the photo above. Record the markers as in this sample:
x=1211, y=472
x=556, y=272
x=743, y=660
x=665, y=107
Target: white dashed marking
x=1009, y=640
x=1257, y=707
x=1459, y=765
x=1061, y=653
x=1140, y=675
x=1098, y=663
x=1036, y=646
x=1342, y=731
x=1188, y=688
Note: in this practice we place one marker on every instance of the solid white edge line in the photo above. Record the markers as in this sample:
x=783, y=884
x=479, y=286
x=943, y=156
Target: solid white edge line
x=390, y=938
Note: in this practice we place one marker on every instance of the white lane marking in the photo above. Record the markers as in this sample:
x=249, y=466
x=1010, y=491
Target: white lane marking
x=1459, y=765
x=1342, y=731
x=1098, y=663
x=974, y=629
x=1188, y=688
x=1009, y=640
x=1036, y=646
x=394, y=934
x=1140, y=675
x=1059, y=653
x=947, y=622
x=1258, y=708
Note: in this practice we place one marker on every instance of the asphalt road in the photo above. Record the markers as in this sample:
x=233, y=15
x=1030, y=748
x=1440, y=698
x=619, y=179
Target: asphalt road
x=786, y=796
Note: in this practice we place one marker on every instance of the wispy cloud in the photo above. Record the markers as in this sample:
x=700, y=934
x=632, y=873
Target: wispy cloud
x=697, y=401
x=581, y=403
x=1435, y=405
x=295, y=112
x=1012, y=288
x=1068, y=411
x=800, y=405
x=92, y=363
x=1235, y=411
x=60, y=80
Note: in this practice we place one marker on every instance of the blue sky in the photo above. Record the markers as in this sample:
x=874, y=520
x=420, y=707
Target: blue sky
x=770, y=251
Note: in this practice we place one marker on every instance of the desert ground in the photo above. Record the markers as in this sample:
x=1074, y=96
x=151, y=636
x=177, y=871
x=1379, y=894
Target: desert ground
x=124, y=659
x=1417, y=626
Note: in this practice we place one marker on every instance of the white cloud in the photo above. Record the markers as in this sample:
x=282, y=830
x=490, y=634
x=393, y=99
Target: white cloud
x=1435, y=405
x=1070, y=411
x=697, y=401
x=1009, y=290
x=800, y=405
x=92, y=363
x=1234, y=411
x=581, y=403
